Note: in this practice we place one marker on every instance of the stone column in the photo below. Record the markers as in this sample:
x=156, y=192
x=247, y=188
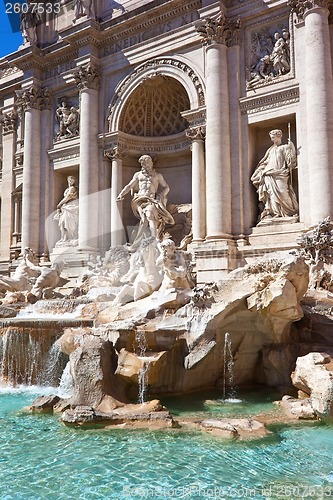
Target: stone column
x=198, y=183
x=217, y=34
x=117, y=227
x=31, y=101
x=8, y=150
x=87, y=79
x=46, y=182
x=319, y=104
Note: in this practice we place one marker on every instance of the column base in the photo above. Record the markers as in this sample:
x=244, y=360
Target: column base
x=219, y=237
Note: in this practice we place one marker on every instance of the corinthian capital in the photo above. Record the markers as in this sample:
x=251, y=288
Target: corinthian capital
x=300, y=7
x=114, y=153
x=87, y=77
x=196, y=133
x=33, y=98
x=218, y=30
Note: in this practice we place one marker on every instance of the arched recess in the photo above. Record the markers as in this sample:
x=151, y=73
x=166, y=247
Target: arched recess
x=164, y=66
x=151, y=110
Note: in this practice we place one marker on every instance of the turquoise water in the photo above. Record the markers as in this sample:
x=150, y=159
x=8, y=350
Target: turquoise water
x=41, y=459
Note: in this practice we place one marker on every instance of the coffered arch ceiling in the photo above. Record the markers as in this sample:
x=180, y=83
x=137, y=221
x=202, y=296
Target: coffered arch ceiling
x=154, y=108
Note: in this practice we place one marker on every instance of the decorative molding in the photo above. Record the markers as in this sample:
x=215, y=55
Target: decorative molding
x=251, y=105
x=87, y=77
x=9, y=71
x=195, y=117
x=9, y=121
x=64, y=152
x=220, y=30
x=129, y=144
x=154, y=64
x=186, y=12
x=301, y=7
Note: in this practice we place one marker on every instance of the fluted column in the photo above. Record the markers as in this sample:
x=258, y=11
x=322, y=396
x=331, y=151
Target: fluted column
x=87, y=79
x=198, y=183
x=117, y=227
x=217, y=34
x=31, y=101
x=8, y=149
x=319, y=104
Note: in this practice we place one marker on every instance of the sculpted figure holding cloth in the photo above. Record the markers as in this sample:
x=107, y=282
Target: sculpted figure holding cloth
x=272, y=178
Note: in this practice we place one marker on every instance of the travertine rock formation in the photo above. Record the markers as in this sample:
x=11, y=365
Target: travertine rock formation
x=313, y=376
x=180, y=347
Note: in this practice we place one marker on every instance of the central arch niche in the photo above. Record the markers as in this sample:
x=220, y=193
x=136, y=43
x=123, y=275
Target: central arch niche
x=151, y=116
x=154, y=108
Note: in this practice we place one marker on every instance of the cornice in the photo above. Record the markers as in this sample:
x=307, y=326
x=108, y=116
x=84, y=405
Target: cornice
x=137, y=144
x=271, y=100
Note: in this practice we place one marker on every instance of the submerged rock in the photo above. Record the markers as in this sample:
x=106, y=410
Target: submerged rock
x=151, y=415
x=240, y=428
x=44, y=404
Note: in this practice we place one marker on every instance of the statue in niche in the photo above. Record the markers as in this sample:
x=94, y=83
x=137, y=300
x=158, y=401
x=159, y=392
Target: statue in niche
x=270, y=56
x=272, y=179
x=68, y=215
x=149, y=202
x=29, y=22
x=84, y=8
x=69, y=121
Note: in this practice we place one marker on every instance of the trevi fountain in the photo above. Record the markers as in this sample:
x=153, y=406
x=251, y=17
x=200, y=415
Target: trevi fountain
x=166, y=254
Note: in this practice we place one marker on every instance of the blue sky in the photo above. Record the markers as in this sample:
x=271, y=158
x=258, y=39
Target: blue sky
x=9, y=41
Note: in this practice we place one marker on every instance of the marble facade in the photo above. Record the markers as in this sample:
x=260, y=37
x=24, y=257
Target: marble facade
x=196, y=84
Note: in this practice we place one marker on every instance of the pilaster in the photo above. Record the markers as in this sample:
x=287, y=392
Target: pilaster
x=87, y=80
x=9, y=125
x=32, y=102
x=319, y=104
x=216, y=35
x=198, y=134
x=115, y=155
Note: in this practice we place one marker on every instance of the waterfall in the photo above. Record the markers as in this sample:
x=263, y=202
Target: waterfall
x=66, y=385
x=27, y=356
x=54, y=367
x=141, y=350
x=229, y=390
x=143, y=382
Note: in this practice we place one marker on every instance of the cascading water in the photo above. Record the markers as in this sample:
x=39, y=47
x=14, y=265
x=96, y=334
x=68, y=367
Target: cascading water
x=143, y=383
x=28, y=356
x=141, y=350
x=66, y=385
x=229, y=390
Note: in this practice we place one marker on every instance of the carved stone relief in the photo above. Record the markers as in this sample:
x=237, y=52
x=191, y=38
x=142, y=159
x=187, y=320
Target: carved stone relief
x=67, y=119
x=271, y=54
